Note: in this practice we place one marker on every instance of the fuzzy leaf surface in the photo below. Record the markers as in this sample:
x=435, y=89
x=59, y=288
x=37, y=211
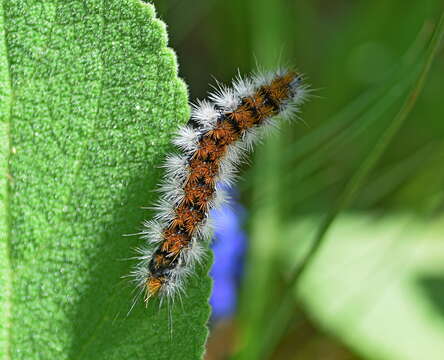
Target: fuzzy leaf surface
x=89, y=100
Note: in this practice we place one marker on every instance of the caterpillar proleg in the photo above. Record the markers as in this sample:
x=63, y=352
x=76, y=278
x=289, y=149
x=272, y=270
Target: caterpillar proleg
x=220, y=132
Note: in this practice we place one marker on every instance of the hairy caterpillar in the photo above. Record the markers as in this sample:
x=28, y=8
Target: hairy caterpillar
x=221, y=130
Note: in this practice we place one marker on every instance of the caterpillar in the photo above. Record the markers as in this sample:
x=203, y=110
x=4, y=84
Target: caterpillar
x=211, y=145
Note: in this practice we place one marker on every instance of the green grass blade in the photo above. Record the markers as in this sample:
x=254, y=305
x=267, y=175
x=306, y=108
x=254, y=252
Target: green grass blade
x=286, y=306
x=340, y=122
x=378, y=150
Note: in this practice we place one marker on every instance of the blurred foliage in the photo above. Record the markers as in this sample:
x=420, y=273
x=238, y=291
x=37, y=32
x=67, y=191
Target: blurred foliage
x=363, y=58
x=378, y=284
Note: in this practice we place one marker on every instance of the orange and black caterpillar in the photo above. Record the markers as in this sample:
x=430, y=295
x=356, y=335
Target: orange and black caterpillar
x=221, y=130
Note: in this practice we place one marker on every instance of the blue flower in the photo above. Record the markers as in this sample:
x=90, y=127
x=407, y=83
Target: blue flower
x=229, y=245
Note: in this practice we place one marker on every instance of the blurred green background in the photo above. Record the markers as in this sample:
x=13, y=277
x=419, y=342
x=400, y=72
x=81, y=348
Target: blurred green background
x=361, y=175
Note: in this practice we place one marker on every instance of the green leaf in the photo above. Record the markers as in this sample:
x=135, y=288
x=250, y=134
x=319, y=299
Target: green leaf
x=89, y=100
x=377, y=284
